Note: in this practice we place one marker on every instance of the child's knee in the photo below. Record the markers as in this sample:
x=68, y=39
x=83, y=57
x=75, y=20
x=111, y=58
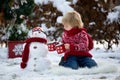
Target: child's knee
x=73, y=66
x=91, y=64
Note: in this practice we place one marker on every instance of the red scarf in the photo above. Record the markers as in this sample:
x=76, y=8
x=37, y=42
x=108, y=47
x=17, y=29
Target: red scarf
x=74, y=31
x=25, y=54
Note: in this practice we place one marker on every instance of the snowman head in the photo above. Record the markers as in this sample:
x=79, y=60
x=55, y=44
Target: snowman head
x=38, y=32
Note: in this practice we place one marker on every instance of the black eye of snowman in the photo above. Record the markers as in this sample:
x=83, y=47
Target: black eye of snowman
x=39, y=32
x=35, y=47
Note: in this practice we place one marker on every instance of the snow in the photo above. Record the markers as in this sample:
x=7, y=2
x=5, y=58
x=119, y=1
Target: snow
x=75, y=1
x=47, y=29
x=61, y=5
x=114, y=16
x=108, y=67
x=59, y=19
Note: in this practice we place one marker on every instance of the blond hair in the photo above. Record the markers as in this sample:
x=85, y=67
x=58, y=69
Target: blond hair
x=73, y=18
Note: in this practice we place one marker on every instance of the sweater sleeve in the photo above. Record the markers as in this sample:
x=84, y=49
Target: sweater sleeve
x=82, y=45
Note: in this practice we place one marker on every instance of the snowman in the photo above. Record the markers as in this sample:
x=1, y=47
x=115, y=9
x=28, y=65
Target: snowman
x=35, y=51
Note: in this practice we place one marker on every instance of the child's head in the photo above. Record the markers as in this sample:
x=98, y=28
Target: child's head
x=72, y=19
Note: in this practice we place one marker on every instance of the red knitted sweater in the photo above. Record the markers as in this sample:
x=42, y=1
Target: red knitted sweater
x=79, y=42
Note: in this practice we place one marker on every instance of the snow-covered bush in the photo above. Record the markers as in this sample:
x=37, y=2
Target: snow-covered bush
x=17, y=32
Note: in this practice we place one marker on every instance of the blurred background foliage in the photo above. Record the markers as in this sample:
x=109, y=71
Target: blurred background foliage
x=94, y=14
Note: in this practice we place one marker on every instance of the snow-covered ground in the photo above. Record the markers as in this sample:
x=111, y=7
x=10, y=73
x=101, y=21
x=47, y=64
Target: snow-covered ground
x=108, y=67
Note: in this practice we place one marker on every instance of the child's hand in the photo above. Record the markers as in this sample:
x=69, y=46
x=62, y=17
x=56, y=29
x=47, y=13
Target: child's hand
x=67, y=46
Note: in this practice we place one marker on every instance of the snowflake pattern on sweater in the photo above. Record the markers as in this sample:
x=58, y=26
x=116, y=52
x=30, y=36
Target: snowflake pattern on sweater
x=79, y=41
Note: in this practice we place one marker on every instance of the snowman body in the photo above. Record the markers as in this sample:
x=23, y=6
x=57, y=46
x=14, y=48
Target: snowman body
x=37, y=59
